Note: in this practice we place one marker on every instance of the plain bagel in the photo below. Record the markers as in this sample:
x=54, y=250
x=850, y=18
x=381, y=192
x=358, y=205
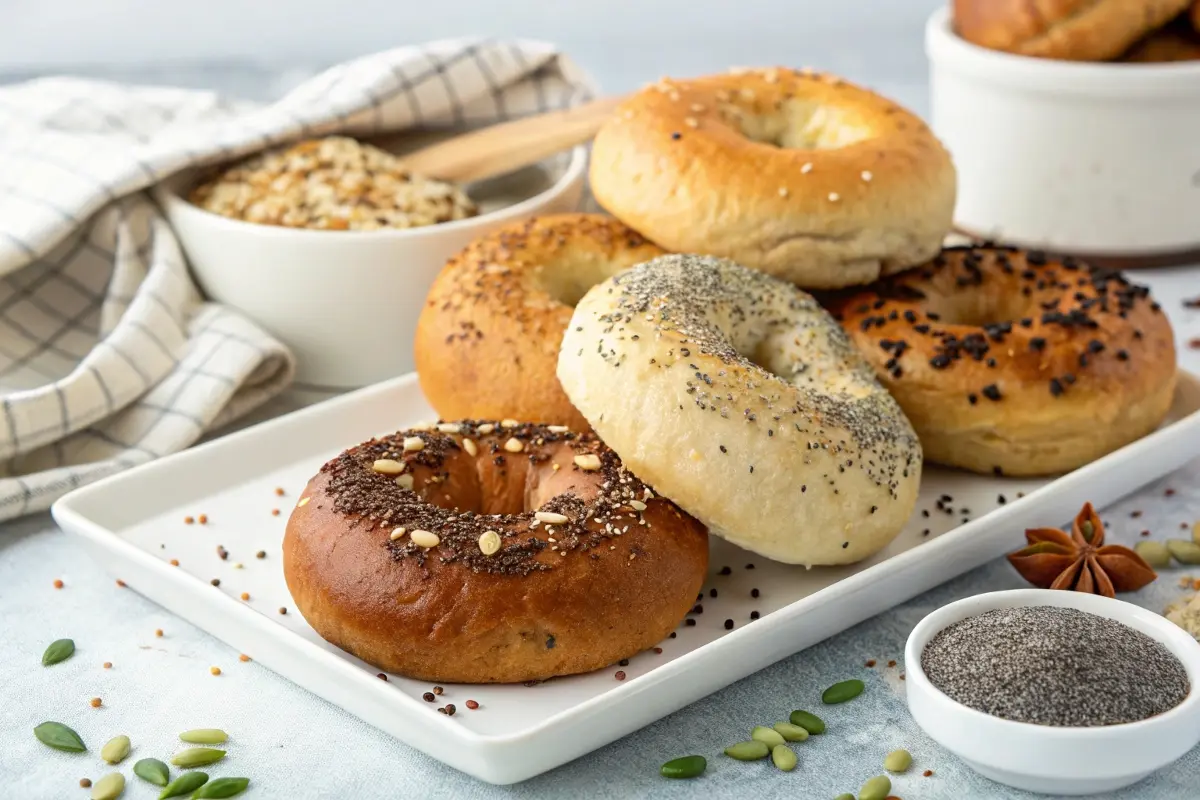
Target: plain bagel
x=802, y=175
x=487, y=339
x=480, y=552
x=1015, y=363
x=741, y=399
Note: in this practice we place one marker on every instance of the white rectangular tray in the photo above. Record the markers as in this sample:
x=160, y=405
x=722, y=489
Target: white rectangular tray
x=135, y=524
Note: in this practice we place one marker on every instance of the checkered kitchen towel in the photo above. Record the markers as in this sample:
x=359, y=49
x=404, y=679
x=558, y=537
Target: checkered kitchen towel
x=109, y=356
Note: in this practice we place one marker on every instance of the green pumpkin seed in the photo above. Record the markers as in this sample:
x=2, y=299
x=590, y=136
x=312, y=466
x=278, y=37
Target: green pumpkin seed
x=152, y=770
x=197, y=757
x=685, y=767
x=1156, y=554
x=1196, y=533
x=752, y=750
x=115, y=749
x=878, y=788
x=897, y=761
x=783, y=757
x=222, y=787
x=810, y=722
x=1185, y=552
x=768, y=736
x=841, y=692
x=205, y=736
x=186, y=783
x=790, y=732
x=59, y=736
x=109, y=787
x=58, y=651
x=844, y=796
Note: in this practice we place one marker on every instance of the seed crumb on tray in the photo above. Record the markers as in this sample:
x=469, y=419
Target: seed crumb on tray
x=1185, y=613
x=334, y=183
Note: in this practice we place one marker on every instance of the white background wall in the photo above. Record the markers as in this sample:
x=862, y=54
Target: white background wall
x=623, y=42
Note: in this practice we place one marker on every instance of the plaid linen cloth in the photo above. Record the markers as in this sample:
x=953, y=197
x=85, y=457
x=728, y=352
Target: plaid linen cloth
x=109, y=355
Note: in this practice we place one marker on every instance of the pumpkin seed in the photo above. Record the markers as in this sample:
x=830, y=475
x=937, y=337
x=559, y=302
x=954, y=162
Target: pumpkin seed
x=810, y=722
x=186, y=783
x=109, y=787
x=204, y=736
x=115, y=749
x=897, y=761
x=1156, y=554
x=685, y=767
x=1185, y=552
x=197, y=757
x=790, y=732
x=59, y=736
x=768, y=736
x=783, y=757
x=752, y=750
x=877, y=788
x=222, y=787
x=1196, y=533
x=844, y=796
x=153, y=770
x=58, y=651
x=841, y=692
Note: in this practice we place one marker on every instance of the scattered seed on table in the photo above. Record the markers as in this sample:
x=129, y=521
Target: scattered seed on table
x=158, y=632
x=261, y=554
x=725, y=571
x=810, y=722
x=120, y=583
x=215, y=670
x=85, y=782
x=620, y=675
x=274, y=512
x=107, y=665
x=790, y=732
x=870, y=662
x=844, y=796
x=674, y=634
x=783, y=757
x=712, y=593
x=752, y=750
x=658, y=651
x=109, y=787
x=749, y=566
x=624, y=662
x=283, y=609
x=96, y=702
x=892, y=663
x=876, y=788
x=897, y=761
x=450, y=709
x=428, y=697
x=202, y=519
x=754, y=592
x=58, y=584
x=238, y=565
x=188, y=520
x=438, y=690
x=842, y=691
x=174, y=562
x=245, y=595
x=728, y=624
x=471, y=704
x=927, y=773
x=685, y=767
x=768, y=736
x=381, y=676
x=901, y=676
x=279, y=491
x=243, y=657
x=215, y=581
x=753, y=615
x=222, y=553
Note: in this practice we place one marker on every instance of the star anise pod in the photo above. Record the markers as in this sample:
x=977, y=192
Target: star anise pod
x=1080, y=561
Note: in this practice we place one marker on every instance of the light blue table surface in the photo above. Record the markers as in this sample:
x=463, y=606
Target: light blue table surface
x=293, y=744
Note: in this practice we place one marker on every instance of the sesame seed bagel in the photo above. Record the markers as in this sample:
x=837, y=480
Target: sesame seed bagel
x=1012, y=362
x=1072, y=30
x=487, y=340
x=489, y=552
x=804, y=176
x=737, y=396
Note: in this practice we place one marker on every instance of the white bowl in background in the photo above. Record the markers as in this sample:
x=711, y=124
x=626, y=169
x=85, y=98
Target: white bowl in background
x=347, y=302
x=1089, y=158
x=1042, y=758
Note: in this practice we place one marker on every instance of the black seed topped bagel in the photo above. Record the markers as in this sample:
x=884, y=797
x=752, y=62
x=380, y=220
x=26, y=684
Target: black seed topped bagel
x=490, y=552
x=1011, y=361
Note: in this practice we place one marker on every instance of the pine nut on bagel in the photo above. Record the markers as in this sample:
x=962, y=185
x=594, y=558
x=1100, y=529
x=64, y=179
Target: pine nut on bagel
x=737, y=396
x=804, y=176
x=487, y=339
x=1012, y=362
x=489, y=552
x=1070, y=30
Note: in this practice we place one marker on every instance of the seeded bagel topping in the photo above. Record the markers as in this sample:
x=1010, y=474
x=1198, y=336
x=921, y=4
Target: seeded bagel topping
x=508, y=543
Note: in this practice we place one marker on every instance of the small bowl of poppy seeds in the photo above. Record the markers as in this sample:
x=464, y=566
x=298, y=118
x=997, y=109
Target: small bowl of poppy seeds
x=1056, y=692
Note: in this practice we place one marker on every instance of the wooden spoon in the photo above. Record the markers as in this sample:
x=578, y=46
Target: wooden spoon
x=508, y=146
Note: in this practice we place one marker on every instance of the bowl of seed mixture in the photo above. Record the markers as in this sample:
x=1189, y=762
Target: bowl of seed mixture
x=331, y=244
x=1056, y=692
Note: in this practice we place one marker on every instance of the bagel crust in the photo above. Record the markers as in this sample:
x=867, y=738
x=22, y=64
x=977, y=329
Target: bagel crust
x=590, y=566
x=487, y=340
x=1015, y=363
x=803, y=176
x=1070, y=30
x=805, y=459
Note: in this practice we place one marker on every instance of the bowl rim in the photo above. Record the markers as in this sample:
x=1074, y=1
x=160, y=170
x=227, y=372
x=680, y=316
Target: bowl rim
x=1109, y=78
x=169, y=193
x=1123, y=611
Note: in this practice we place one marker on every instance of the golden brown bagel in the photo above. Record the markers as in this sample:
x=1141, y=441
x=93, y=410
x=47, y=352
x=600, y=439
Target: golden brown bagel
x=559, y=597
x=1070, y=30
x=487, y=340
x=1012, y=362
x=1176, y=42
x=803, y=176
x=1194, y=15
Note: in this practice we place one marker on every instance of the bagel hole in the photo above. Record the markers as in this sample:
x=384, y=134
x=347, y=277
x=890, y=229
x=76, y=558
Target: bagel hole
x=567, y=280
x=798, y=125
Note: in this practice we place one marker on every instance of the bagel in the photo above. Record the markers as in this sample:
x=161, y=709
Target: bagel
x=1070, y=30
x=487, y=339
x=591, y=566
x=1194, y=15
x=803, y=176
x=737, y=396
x=1015, y=363
x=1176, y=42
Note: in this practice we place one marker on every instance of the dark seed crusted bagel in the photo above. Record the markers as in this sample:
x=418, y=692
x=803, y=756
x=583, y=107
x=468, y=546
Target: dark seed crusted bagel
x=1014, y=362
x=489, y=552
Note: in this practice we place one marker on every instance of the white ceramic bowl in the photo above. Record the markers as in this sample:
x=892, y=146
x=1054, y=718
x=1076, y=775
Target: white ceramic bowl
x=1091, y=158
x=347, y=302
x=1055, y=760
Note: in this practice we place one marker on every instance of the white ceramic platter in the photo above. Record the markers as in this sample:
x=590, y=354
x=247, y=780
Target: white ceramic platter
x=135, y=525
